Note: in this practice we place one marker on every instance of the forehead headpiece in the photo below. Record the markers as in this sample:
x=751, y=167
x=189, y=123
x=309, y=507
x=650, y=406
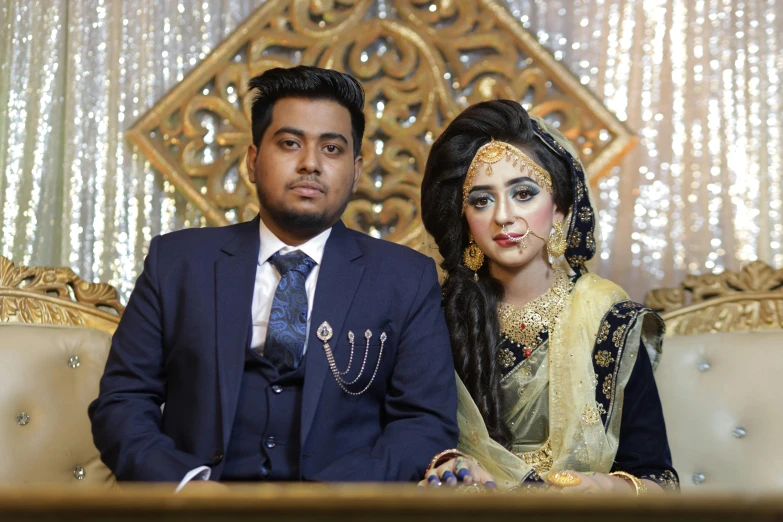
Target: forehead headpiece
x=493, y=152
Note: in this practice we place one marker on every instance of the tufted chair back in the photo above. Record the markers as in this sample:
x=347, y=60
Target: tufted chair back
x=55, y=335
x=719, y=379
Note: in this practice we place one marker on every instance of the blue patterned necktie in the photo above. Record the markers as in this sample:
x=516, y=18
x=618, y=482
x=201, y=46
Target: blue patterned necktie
x=287, y=329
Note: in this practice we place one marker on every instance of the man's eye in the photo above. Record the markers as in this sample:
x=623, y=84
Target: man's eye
x=289, y=143
x=332, y=149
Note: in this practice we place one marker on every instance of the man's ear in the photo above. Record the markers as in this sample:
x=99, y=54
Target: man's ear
x=358, y=165
x=252, y=153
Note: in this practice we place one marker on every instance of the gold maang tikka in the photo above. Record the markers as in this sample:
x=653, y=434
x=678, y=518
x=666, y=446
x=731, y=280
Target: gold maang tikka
x=495, y=151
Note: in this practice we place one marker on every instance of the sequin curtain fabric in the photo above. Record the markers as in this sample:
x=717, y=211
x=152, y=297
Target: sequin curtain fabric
x=698, y=80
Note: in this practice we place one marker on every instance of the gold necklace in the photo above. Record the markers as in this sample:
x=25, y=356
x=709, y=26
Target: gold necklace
x=523, y=325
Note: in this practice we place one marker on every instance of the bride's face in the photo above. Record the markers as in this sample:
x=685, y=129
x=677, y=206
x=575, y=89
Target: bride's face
x=502, y=198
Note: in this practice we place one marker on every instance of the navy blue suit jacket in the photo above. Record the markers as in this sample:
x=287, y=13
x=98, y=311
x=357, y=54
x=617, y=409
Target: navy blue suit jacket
x=182, y=341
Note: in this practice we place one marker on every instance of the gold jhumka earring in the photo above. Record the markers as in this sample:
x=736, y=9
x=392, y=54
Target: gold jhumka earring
x=473, y=257
x=556, y=246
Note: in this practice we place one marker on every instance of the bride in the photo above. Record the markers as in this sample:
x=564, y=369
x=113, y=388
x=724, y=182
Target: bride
x=555, y=364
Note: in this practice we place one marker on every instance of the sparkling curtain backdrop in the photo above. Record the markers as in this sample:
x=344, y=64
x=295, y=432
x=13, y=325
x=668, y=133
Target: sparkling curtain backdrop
x=697, y=80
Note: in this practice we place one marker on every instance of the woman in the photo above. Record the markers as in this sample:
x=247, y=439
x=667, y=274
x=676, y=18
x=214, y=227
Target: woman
x=554, y=363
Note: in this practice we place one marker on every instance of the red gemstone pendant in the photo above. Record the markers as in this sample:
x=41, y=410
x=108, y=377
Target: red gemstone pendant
x=527, y=352
x=522, y=326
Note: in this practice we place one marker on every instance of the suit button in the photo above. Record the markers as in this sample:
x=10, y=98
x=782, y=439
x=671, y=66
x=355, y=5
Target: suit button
x=277, y=389
x=217, y=457
x=263, y=472
x=270, y=442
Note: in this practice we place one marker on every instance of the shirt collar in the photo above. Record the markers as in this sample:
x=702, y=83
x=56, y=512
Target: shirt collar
x=271, y=244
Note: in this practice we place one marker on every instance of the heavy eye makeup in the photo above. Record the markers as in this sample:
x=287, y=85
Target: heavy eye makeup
x=480, y=199
x=520, y=190
x=524, y=191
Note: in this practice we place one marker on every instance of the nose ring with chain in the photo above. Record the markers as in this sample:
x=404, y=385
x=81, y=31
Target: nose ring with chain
x=521, y=240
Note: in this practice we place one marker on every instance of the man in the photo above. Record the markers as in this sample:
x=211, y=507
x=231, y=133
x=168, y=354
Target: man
x=289, y=347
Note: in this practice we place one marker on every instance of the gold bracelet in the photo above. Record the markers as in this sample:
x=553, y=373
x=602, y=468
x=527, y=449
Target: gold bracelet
x=636, y=482
x=442, y=457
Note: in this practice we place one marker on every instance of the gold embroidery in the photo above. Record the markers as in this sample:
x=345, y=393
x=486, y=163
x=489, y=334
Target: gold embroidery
x=603, y=334
x=591, y=415
x=604, y=358
x=575, y=237
x=506, y=358
x=617, y=337
x=625, y=311
x=585, y=213
x=540, y=460
x=523, y=326
x=580, y=189
x=582, y=455
x=525, y=371
x=590, y=240
x=578, y=263
x=667, y=480
x=608, y=386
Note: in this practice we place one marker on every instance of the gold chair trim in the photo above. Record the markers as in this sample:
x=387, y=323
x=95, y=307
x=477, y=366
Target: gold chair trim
x=748, y=299
x=57, y=296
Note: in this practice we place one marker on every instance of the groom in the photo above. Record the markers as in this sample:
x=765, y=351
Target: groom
x=288, y=347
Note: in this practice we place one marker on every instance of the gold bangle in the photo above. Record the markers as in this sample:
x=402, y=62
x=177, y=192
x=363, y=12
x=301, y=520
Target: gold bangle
x=442, y=457
x=636, y=482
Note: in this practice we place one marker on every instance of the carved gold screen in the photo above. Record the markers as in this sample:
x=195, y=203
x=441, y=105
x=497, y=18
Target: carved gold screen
x=421, y=63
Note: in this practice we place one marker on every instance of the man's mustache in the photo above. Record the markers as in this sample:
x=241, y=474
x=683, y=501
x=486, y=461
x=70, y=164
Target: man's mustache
x=308, y=179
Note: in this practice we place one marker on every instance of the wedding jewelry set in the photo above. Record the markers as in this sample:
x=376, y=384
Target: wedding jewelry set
x=523, y=326
x=493, y=152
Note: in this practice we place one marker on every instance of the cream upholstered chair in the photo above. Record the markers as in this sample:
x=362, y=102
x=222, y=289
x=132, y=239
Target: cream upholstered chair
x=55, y=334
x=720, y=379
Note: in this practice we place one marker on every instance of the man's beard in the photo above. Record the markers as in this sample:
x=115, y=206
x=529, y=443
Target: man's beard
x=309, y=223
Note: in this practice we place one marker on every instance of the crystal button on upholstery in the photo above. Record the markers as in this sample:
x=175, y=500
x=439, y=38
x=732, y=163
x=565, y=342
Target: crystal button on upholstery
x=703, y=366
x=739, y=432
x=74, y=362
x=22, y=419
x=79, y=473
x=699, y=478
x=270, y=442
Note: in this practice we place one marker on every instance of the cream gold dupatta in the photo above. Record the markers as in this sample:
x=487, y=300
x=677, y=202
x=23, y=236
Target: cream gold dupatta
x=561, y=369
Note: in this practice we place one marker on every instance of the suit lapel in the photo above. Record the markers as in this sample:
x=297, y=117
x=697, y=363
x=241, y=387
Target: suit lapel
x=235, y=275
x=338, y=279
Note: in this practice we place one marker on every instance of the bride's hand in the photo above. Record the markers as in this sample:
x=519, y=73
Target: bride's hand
x=456, y=471
x=592, y=482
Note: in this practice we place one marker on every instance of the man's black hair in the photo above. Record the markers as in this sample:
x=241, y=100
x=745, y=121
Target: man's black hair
x=307, y=82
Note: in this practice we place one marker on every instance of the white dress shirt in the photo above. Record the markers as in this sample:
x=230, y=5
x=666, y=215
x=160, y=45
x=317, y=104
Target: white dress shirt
x=267, y=279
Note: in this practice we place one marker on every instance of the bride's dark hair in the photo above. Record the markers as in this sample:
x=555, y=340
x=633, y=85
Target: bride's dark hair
x=471, y=307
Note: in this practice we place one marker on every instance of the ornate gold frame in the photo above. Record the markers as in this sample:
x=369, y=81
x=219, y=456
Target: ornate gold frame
x=56, y=296
x=751, y=299
x=426, y=61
